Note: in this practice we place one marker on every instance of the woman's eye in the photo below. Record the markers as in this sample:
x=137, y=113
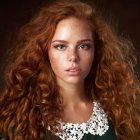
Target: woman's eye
x=60, y=47
x=84, y=46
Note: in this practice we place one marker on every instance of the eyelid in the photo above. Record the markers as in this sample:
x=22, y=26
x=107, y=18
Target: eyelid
x=85, y=44
x=58, y=45
x=88, y=44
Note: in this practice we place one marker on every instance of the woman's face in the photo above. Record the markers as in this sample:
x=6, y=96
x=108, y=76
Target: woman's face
x=72, y=50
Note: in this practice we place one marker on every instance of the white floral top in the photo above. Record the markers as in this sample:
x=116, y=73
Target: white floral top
x=96, y=125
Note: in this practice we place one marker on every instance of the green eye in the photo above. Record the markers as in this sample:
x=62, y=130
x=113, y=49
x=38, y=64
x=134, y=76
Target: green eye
x=84, y=46
x=60, y=47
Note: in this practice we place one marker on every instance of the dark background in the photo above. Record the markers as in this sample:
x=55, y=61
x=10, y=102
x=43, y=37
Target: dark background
x=124, y=14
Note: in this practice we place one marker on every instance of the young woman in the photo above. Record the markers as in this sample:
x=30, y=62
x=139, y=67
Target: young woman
x=71, y=78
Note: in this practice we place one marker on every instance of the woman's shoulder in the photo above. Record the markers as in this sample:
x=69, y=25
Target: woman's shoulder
x=109, y=135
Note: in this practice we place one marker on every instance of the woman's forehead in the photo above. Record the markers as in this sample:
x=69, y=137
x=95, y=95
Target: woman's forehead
x=72, y=28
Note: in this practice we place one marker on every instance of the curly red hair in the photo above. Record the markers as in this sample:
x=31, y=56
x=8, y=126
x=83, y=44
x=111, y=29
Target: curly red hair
x=31, y=101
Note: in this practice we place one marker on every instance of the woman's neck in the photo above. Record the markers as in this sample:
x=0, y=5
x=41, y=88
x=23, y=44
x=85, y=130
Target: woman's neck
x=73, y=94
x=77, y=107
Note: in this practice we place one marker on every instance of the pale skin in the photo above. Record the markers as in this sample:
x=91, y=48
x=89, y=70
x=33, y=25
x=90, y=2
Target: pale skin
x=71, y=55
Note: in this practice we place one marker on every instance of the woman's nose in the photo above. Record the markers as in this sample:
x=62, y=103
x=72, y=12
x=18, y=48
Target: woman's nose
x=73, y=55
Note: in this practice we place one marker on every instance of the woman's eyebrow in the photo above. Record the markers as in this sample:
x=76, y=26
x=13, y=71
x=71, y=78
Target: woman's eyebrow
x=78, y=42
x=84, y=40
x=61, y=41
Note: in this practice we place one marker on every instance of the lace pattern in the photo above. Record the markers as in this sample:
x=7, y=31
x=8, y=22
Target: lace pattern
x=96, y=125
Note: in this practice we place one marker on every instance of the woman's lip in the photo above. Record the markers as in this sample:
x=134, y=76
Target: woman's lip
x=73, y=72
x=73, y=69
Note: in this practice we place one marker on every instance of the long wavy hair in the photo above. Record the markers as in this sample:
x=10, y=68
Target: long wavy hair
x=30, y=103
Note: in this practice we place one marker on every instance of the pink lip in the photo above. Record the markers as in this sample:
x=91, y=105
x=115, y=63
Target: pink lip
x=73, y=71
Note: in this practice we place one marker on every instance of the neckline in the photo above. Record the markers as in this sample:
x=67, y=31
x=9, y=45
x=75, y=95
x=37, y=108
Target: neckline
x=97, y=124
x=82, y=123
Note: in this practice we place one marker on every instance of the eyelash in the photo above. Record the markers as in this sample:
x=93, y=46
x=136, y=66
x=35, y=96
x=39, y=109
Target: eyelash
x=86, y=46
x=58, y=46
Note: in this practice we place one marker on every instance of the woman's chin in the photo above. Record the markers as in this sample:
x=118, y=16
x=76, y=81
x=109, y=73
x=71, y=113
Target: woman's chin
x=73, y=80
